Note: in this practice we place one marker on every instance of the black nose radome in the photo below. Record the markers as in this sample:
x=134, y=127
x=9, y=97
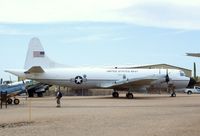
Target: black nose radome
x=191, y=83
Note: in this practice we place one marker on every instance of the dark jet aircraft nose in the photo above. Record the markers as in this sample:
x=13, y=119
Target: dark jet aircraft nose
x=191, y=83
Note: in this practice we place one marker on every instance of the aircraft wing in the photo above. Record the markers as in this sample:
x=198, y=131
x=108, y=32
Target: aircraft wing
x=193, y=54
x=134, y=83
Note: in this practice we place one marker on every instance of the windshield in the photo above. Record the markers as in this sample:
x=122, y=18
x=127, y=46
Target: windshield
x=182, y=73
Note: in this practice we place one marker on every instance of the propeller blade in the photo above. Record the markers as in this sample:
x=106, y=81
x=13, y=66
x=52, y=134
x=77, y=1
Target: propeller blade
x=167, y=76
x=195, y=75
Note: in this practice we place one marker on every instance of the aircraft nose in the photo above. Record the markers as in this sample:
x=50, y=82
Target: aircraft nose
x=191, y=83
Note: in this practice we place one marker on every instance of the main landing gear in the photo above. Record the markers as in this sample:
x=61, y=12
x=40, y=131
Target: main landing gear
x=129, y=95
x=115, y=94
x=16, y=101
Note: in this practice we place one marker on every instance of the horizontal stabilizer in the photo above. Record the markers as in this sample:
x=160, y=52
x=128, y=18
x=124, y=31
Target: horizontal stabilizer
x=35, y=69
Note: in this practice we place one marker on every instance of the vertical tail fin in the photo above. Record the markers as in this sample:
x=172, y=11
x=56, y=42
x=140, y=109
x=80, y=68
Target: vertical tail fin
x=36, y=56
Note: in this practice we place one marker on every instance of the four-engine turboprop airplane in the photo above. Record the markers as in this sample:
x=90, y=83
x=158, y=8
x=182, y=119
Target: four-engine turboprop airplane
x=40, y=68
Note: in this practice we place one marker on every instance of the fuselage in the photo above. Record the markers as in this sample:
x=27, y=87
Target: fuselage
x=13, y=89
x=97, y=77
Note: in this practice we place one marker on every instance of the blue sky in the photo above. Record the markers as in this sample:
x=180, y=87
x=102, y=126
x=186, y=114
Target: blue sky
x=101, y=33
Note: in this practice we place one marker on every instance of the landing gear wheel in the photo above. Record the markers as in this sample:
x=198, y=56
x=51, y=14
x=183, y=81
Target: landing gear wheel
x=40, y=94
x=9, y=101
x=16, y=101
x=129, y=95
x=30, y=93
x=173, y=95
x=115, y=94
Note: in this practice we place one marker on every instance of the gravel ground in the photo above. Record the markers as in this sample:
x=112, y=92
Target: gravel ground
x=146, y=115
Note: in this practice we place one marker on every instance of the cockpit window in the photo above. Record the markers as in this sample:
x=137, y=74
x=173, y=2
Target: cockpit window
x=182, y=73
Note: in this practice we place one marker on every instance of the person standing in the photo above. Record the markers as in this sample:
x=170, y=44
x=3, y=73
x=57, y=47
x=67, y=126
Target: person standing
x=58, y=97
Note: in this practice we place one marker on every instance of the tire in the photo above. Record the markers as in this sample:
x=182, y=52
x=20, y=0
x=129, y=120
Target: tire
x=173, y=95
x=129, y=95
x=16, y=101
x=40, y=94
x=30, y=93
x=9, y=101
x=189, y=92
x=115, y=94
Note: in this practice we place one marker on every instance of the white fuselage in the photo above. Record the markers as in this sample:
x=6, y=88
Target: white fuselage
x=97, y=77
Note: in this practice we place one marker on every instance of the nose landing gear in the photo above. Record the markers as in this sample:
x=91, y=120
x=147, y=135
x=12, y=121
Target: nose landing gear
x=172, y=90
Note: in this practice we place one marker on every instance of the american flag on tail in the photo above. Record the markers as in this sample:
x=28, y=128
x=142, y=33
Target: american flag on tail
x=38, y=54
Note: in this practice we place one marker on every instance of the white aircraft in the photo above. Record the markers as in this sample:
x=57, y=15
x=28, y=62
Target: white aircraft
x=40, y=68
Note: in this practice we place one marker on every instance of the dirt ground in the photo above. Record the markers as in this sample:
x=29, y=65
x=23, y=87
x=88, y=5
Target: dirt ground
x=146, y=115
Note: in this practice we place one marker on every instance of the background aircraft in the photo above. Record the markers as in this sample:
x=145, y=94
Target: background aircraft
x=195, y=72
x=13, y=90
x=193, y=54
x=37, y=88
x=40, y=68
x=25, y=86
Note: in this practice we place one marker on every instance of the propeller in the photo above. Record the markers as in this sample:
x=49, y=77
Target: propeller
x=167, y=79
x=195, y=74
x=1, y=82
